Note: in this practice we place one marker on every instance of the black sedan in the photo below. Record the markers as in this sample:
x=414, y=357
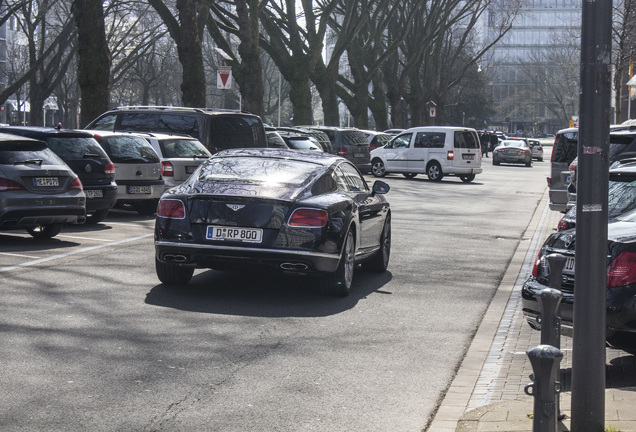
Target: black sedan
x=621, y=281
x=283, y=210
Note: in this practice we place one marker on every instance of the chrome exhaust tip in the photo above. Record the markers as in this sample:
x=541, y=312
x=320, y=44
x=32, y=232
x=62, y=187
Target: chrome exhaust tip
x=175, y=258
x=294, y=266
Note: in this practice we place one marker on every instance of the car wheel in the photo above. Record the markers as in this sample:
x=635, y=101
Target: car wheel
x=45, y=231
x=172, y=274
x=339, y=282
x=409, y=175
x=434, y=171
x=495, y=162
x=147, y=208
x=377, y=168
x=529, y=164
x=380, y=260
x=97, y=216
x=467, y=178
x=540, y=159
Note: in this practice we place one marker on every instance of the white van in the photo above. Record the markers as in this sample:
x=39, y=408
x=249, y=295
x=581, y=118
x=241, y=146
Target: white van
x=434, y=150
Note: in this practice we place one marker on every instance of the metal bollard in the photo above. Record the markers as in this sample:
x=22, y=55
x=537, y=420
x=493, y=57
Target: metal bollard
x=550, y=299
x=545, y=360
x=556, y=262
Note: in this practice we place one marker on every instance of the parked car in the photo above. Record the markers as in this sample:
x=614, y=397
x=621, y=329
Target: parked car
x=622, y=145
x=322, y=137
x=537, y=149
x=300, y=142
x=434, y=150
x=621, y=281
x=377, y=139
x=137, y=170
x=180, y=155
x=301, y=212
x=216, y=129
x=621, y=195
x=513, y=152
x=350, y=143
x=274, y=140
x=563, y=153
x=38, y=191
x=80, y=151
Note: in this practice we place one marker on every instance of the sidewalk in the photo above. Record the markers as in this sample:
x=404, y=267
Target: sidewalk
x=487, y=393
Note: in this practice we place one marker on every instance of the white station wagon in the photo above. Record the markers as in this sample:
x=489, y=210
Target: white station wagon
x=433, y=150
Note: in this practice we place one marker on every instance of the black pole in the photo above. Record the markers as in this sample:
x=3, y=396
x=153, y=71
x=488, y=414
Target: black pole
x=588, y=345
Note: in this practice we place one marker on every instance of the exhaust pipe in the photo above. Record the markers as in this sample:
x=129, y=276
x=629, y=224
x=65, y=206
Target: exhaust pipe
x=294, y=266
x=175, y=258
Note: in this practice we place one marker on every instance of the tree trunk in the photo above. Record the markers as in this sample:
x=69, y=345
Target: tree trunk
x=94, y=59
x=300, y=97
x=190, y=49
x=249, y=76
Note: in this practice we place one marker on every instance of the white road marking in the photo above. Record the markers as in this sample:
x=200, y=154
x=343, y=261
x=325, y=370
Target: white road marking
x=83, y=238
x=75, y=252
x=18, y=255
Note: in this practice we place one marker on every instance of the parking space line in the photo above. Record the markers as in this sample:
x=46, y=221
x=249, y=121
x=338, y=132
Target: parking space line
x=17, y=255
x=84, y=238
x=130, y=224
x=75, y=252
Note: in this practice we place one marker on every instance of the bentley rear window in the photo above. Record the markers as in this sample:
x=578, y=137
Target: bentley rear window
x=255, y=170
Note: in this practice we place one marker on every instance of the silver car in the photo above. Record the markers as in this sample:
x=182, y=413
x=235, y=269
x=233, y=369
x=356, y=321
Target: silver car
x=137, y=170
x=512, y=151
x=38, y=191
x=180, y=155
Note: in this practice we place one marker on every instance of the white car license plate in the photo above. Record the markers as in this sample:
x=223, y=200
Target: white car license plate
x=468, y=156
x=94, y=193
x=46, y=181
x=139, y=189
x=358, y=155
x=248, y=235
x=568, y=267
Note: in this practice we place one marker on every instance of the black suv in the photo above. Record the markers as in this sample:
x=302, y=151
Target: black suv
x=217, y=129
x=86, y=158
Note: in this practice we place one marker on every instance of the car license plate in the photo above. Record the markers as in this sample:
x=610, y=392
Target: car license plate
x=46, y=181
x=94, y=193
x=568, y=267
x=359, y=155
x=139, y=189
x=248, y=235
x=468, y=156
x=190, y=169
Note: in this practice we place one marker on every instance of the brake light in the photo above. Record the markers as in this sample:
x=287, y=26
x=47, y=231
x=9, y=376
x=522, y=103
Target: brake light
x=342, y=152
x=76, y=185
x=537, y=263
x=171, y=208
x=305, y=217
x=167, y=170
x=622, y=270
x=572, y=169
x=563, y=225
x=450, y=155
x=109, y=168
x=10, y=185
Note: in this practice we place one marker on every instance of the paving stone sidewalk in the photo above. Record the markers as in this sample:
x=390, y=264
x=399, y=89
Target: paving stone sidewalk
x=487, y=393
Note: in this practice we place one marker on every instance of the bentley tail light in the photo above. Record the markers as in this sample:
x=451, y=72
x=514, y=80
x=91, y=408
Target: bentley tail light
x=305, y=217
x=171, y=208
x=76, y=185
x=10, y=185
x=535, y=268
x=450, y=155
x=167, y=170
x=622, y=270
x=109, y=168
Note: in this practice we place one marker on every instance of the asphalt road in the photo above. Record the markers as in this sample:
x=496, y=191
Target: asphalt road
x=92, y=341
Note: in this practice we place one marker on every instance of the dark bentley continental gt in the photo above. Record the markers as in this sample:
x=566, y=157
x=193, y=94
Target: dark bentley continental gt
x=285, y=210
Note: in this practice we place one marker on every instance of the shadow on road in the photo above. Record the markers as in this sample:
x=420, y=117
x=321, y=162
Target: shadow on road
x=263, y=294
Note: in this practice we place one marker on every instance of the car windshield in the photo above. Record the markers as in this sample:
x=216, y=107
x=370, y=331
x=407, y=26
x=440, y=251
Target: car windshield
x=29, y=154
x=519, y=144
x=129, y=149
x=183, y=148
x=260, y=170
x=75, y=147
x=354, y=137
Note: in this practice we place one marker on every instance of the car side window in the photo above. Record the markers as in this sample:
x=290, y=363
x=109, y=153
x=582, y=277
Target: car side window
x=348, y=178
x=430, y=140
x=105, y=123
x=401, y=141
